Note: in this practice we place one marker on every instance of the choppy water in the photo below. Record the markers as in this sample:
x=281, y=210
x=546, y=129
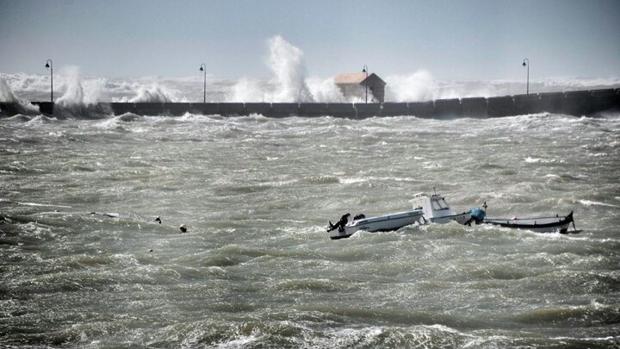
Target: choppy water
x=257, y=269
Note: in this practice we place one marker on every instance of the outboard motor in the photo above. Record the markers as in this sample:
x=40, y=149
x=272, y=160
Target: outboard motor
x=340, y=224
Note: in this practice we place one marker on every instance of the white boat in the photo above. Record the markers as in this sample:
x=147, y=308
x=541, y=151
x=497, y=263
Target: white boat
x=388, y=222
x=437, y=210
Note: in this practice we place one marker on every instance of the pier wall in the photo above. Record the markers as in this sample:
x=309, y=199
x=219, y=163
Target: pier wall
x=573, y=103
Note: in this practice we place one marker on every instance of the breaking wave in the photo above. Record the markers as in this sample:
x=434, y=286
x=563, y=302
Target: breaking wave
x=152, y=94
x=289, y=82
x=75, y=93
x=7, y=96
x=287, y=65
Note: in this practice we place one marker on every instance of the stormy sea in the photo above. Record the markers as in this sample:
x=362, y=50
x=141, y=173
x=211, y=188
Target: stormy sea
x=84, y=264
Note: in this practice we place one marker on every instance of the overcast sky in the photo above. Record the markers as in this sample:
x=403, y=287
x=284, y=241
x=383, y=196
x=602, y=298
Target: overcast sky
x=472, y=40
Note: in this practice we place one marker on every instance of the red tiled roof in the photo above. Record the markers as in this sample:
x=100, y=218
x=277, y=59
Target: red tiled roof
x=350, y=78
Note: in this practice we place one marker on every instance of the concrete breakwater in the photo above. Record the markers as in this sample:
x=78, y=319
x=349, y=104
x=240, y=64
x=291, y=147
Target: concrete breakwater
x=585, y=102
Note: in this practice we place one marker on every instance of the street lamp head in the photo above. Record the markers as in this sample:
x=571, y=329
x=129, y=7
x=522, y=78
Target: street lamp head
x=47, y=65
x=524, y=63
x=201, y=68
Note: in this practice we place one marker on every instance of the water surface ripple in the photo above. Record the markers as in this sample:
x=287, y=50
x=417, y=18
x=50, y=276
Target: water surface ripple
x=257, y=269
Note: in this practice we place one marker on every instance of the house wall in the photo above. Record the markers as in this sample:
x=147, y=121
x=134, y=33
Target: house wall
x=376, y=92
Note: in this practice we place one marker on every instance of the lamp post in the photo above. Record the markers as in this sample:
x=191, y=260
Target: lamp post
x=203, y=69
x=365, y=70
x=50, y=65
x=526, y=63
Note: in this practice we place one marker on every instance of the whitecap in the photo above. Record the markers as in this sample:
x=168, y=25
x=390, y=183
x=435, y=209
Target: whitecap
x=531, y=160
x=240, y=342
x=598, y=155
x=352, y=180
x=595, y=203
x=35, y=204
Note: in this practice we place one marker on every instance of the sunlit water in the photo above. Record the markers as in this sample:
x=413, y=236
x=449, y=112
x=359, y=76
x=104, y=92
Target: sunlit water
x=257, y=269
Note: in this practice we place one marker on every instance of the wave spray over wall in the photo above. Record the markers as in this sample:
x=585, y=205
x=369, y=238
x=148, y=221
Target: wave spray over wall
x=288, y=83
x=6, y=94
x=286, y=62
x=152, y=94
x=80, y=99
x=21, y=106
x=75, y=93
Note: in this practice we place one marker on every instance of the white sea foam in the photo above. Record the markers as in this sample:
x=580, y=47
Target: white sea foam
x=239, y=342
x=35, y=204
x=75, y=92
x=418, y=86
x=595, y=203
x=248, y=90
x=326, y=91
x=354, y=180
x=288, y=82
x=287, y=65
x=152, y=94
x=7, y=95
x=531, y=160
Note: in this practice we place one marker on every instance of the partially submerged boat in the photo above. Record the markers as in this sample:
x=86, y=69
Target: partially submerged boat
x=538, y=224
x=437, y=210
x=389, y=222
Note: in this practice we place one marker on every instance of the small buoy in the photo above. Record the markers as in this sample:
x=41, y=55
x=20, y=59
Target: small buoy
x=158, y=220
x=183, y=228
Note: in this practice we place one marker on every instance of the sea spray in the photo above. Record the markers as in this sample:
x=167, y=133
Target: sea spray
x=326, y=91
x=418, y=86
x=75, y=93
x=152, y=94
x=286, y=62
x=288, y=83
x=16, y=104
x=6, y=95
x=248, y=90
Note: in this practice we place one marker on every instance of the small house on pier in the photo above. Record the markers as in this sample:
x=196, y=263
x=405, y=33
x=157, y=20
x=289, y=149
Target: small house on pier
x=366, y=87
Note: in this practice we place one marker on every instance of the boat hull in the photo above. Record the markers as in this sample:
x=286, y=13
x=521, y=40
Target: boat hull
x=460, y=218
x=388, y=222
x=539, y=225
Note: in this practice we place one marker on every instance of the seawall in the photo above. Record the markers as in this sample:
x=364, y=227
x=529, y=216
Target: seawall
x=572, y=103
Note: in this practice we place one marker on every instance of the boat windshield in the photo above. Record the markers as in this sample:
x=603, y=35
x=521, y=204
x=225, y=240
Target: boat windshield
x=439, y=204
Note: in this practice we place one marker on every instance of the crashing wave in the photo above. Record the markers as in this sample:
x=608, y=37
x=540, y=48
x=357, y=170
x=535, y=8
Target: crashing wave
x=152, y=94
x=11, y=105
